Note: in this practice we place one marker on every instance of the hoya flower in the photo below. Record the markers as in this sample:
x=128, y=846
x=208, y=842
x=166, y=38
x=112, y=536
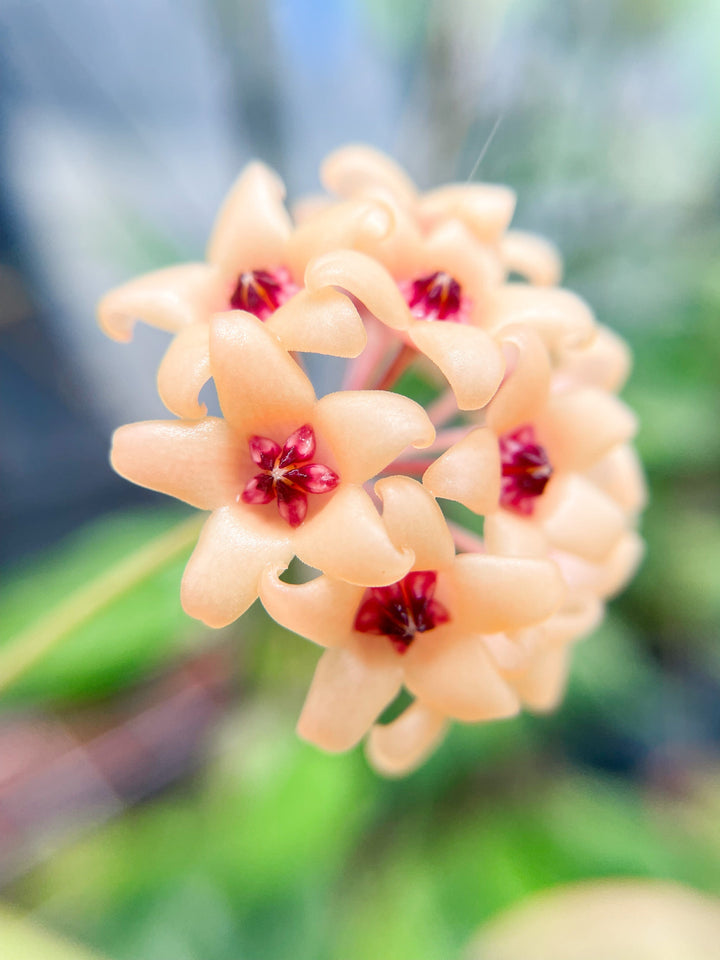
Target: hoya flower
x=282, y=472
x=485, y=209
x=533, y=662
x=535, y=456
x=428, y=630
x=443, y=298
x=255, y=264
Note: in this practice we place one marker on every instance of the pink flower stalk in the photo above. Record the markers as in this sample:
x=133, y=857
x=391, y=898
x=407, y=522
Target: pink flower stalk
x=525, y=430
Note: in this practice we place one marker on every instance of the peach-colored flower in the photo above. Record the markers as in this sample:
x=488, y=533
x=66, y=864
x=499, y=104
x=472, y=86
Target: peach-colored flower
x=536, y=454
x=254, y=263
x=533, y=662
x=429, y=630
x=442, y=295
x=485, y=209
x=282, y=472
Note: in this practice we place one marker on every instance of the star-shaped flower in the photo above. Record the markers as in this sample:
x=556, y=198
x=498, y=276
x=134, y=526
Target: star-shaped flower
x=254, y=263
x=428, y=629
x=485, y=209
x=537, y=453
x=282, y=473
x=533, y=661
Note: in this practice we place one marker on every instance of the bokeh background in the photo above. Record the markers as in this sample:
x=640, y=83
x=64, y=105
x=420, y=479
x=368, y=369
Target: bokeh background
x=154, y=802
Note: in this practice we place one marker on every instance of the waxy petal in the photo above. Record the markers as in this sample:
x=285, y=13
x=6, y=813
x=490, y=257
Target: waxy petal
x=367, y=429
x=395, y=749
x=258, y=382
x=620, y=475
x=580, y=518
x=580, y=427
x=578, y=616
x=533, y=257
x=605, y=362
x=526, y=386
x=195, y=461
x=355, y=168
x=458, y=679
x=345, y=697
x=364, y=225
x=469, y=472
x=621, y=564
x=348, y=541
x=499, y=594
x=322, y=610
x=415, y=521
x=542, y=683
x=169, y=299
x=184, y=371
x=253, y=227
x=470, y=360
x=364, y=279
x=222, y=577
x=451, y=248
x=508, y=535
x=324, y=322
x=560, y=317
x=486, y=208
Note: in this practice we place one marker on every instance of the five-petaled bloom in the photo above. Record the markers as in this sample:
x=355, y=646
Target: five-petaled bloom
x=523, y=428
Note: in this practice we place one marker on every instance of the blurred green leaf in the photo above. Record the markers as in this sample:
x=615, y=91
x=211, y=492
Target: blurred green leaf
x=22, y=940
x=128, y=565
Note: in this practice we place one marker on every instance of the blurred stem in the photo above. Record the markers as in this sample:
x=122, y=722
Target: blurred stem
x=21, y=652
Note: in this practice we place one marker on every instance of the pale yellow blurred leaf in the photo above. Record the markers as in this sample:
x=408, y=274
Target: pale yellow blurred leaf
x=22, y=939
x=606, y=920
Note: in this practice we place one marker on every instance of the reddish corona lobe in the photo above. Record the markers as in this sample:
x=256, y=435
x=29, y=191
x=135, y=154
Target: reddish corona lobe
x=288, y=474
x=526, y=470
x=402, y=610
x=261, y=292
x=436, y=297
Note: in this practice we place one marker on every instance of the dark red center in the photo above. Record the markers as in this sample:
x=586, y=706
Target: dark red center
x=526, y=470
x=435, y=297
x=261, y=292
x=401, y=610
x=288, y=474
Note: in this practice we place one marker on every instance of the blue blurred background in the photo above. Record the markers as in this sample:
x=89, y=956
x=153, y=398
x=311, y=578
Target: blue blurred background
x=121, y=127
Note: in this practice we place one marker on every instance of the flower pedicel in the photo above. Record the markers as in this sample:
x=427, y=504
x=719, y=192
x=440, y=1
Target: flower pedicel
x=524, y=429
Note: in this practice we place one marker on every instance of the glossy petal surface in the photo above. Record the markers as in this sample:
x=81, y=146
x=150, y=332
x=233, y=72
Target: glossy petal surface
x=470, y=360
x=184, y=371
x=366, y=429
x=259, y=385
x=459, y=680
x=253, y=228
x=395, y=749
x=195, y=461
x=414, y=521
x=348, y=541
x=222, y=577
x=169, y=299
x=498, y=594
x=469, y=472
x=324, y=322
x=345, y=697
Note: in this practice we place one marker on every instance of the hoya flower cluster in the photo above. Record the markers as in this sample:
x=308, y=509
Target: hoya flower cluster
x=461, y=546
